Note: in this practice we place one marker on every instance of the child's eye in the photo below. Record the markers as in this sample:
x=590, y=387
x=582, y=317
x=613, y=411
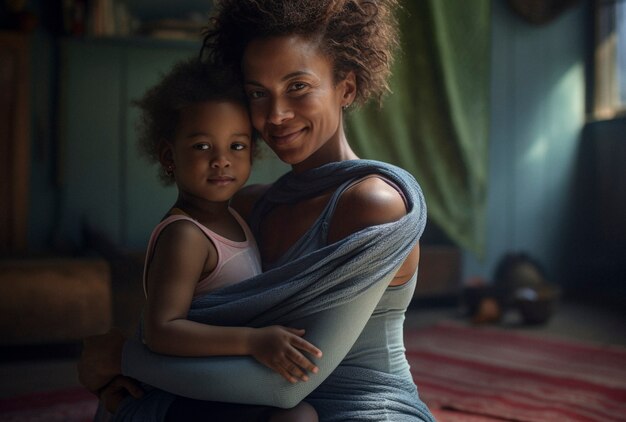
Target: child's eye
x=202, y=147
x=238, y=146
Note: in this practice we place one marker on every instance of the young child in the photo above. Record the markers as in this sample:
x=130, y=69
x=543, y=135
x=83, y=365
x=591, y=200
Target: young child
x=195, y=123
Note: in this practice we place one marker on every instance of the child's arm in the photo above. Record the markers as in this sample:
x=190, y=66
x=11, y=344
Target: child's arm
x=181, y=256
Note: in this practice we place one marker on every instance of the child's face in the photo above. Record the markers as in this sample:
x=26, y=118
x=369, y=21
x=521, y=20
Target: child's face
x=212, y=150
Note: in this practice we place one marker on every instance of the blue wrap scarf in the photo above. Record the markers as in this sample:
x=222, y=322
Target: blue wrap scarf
x=331, y=292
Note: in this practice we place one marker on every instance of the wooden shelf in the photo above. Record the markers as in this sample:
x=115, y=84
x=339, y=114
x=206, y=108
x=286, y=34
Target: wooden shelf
x=14, y=140
x=136, y=41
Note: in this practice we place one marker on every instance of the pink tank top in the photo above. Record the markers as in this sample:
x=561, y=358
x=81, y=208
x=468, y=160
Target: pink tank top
x=236, y=261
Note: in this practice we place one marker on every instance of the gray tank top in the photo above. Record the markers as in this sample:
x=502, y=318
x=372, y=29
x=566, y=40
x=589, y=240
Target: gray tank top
x=381, y=344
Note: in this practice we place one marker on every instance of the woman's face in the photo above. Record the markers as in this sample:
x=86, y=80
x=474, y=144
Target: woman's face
x=294, y=101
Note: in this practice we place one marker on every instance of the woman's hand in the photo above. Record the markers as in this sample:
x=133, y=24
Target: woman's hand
x=101, y=360
x=280, y=349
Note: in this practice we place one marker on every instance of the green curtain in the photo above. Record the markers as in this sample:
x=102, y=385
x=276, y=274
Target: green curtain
x=435, y=123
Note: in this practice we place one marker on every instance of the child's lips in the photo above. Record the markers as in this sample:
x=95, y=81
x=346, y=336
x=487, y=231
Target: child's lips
x=221, y=180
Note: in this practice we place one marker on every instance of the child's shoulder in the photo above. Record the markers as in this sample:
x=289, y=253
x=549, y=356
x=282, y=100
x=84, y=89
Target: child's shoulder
x=181, y=231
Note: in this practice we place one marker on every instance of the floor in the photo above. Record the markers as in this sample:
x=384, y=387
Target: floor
x=596, y=323
x=581, y=322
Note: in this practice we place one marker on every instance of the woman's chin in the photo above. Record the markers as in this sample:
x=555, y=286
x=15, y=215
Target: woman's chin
x=292, y=159
x=291, y=156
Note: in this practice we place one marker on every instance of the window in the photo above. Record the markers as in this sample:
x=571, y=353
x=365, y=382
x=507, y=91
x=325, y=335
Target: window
x=610, y=59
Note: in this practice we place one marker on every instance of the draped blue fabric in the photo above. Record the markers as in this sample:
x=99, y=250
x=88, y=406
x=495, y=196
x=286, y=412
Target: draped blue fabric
x=331, y=292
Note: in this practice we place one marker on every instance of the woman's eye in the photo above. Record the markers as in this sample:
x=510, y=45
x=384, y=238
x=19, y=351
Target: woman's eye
x=202, y=147
x=238, y=147
x=256, y=94
x=298, y=86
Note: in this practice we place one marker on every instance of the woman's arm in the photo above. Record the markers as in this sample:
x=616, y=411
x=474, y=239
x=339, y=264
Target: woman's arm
x=334, y=330
x=237, y=379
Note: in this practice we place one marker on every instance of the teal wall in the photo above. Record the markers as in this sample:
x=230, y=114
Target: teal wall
x=98, y=176
x=537, y=115
x=87, y=169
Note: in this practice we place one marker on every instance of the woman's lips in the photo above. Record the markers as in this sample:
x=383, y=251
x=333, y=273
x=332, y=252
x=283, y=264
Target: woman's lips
x=286, y=139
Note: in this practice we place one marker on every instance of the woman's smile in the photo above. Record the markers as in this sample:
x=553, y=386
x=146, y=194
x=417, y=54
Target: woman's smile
x=284, y=138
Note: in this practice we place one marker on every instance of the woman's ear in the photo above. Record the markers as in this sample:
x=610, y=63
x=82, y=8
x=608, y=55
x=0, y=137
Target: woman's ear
x=348, y=85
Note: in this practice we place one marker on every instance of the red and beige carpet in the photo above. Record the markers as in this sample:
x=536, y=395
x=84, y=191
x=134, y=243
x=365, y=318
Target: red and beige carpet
x=464, y=374
x=486, y=374
x=71, y=405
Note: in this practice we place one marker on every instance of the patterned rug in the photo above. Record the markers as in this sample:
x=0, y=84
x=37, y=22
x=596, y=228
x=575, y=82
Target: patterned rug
x=71, y=405
x=464, y=374
x=486, y=374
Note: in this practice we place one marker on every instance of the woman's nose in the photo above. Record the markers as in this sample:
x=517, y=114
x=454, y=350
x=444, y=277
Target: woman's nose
x=279, y=112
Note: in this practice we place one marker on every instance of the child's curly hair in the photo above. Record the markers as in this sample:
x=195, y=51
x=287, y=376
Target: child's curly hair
x=358, y=35
x=188, y=82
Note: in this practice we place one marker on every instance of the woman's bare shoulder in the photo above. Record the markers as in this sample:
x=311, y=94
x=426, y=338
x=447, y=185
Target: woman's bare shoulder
x=369, y=202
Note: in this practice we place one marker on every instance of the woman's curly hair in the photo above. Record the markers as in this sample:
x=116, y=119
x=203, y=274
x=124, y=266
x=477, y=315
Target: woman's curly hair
x=358, y=35
x=188, y=82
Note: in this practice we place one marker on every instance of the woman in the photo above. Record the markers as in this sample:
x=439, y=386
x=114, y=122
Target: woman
x=303, y=63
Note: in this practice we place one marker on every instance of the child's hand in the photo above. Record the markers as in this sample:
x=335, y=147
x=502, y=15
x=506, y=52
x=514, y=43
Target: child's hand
x=117, y=390
x=100, y=360
x=280, y=348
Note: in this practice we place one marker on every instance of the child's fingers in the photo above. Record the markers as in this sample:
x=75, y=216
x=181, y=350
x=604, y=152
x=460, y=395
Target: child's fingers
x=296, y=371
x=131, y=386
x=297, y=331
x=119, y=388
x=302, y=344
x=302, y=363
x=305, y=346
x=287, y=375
